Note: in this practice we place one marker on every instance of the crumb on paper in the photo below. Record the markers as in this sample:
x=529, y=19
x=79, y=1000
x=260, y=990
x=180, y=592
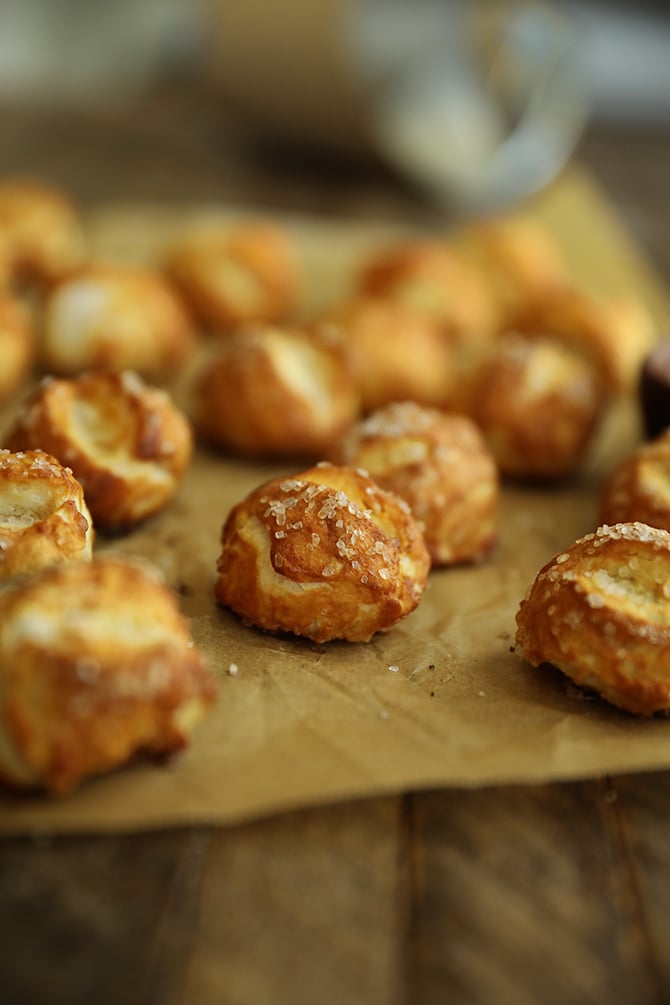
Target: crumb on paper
x=610, y=796
x=383, y=713
x=481, y=694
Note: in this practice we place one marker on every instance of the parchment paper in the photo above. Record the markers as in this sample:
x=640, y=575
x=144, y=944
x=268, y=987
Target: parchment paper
x=302, y=724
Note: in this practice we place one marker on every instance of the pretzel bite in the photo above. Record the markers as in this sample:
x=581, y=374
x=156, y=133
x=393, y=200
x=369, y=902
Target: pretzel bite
x=430, y=279
x=96, y=666
x=126, y=442
x=272, y=391
x=325, y=554
x=440, y=465
x=600, y=613
x=615, y=333
x=115, y=317
x=396, y=353
x=516, y=259
x=537, y=403
x=235, y=275
x=40, y=230
x=17, y=345
x=639, y=487
x=44, y=520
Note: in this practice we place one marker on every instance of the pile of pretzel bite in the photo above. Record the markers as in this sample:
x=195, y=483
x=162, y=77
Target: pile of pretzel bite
x=451, y=367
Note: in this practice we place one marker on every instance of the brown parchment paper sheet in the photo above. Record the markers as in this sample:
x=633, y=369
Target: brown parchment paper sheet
x=301, y=724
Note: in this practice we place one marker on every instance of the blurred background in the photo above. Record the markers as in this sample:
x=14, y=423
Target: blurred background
x=389, y=106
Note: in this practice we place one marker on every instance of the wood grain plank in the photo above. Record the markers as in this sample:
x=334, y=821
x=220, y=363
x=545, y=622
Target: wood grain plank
x=302, y=908
x=525, y=895
x=642, y=804
x=97, y=919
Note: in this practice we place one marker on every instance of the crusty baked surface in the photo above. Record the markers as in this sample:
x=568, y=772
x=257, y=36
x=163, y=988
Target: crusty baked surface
x=115, y=317
x=44, y=519
x=96, y=665
x=41, y=233
x=272, y=391
x=440, y=465
x=600, y=612
x=231, y=275
x=17, y=345
x=125, y=440
x=538, y=404
x=614, y=332
x=638, y=489
x=324, y=553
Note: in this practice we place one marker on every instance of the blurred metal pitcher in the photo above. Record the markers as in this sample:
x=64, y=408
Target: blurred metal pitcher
x=479, y=102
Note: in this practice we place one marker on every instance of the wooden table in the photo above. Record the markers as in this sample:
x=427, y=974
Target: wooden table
x=517, y=894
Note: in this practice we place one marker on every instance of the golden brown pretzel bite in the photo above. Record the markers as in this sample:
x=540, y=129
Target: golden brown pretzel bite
x=439, y=464
x=600, y=612
x=639, y=487
x=115, y=317
x=538, y=404
x=232, y=275
x=126, y=442
x=325, y=554
x=96, y=665
x=40, y=231
x=430, y=279
x=17, y=345
x=615, y=333
x=397, y=354
x=516, y=259
x=44, y=520
x=277, y=392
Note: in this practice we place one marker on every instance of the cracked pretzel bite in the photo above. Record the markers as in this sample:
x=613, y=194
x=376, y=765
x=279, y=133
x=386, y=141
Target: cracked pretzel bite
x=600, y=613
x=115, y=317
x=17, y=345
x=40, y=232
x=615, y=333
x=515, y=258
x=639, y=487
x=44, y=520
x=96, y=665
x=276, y=392
x=233, y=275
x=430, y=279
x=440, y=465
x=396, y=353
x=126, y=442
x=325, y=554
x=538, y=404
